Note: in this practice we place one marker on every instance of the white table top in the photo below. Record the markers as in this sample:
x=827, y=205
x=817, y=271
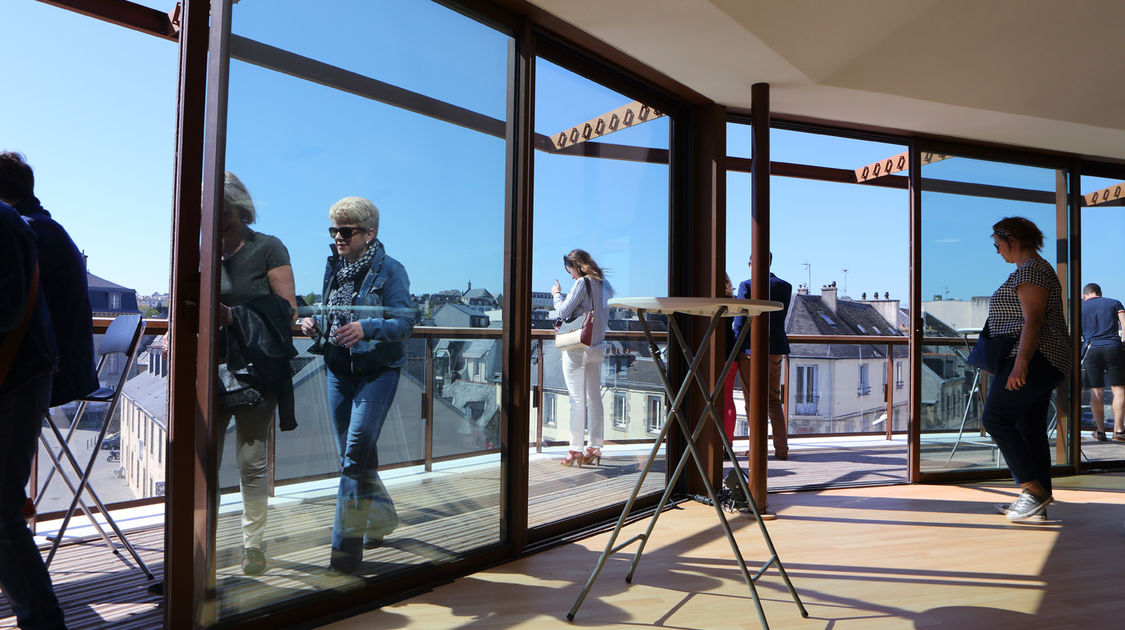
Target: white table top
x=697, y=305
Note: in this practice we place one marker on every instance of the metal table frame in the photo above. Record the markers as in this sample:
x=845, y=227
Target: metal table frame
x=716, y=309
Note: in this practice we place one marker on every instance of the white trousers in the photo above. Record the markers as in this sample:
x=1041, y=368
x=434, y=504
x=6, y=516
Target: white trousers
x=582, y=371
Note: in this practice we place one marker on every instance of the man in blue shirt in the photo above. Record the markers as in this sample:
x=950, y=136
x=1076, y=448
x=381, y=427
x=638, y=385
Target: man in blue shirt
x=1103, y=325
x=780, y=291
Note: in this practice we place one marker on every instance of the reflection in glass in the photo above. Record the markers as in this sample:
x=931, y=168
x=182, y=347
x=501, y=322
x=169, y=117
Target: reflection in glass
x=417, y=427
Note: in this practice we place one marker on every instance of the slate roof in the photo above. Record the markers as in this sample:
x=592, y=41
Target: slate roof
x=150, y=393
x=810, y=315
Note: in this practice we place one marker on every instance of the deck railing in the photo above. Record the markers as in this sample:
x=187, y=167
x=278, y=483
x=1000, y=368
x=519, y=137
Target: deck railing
x=540, y=337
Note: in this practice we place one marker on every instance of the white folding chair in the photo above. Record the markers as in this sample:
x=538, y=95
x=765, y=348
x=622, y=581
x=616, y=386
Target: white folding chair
x=123, y=336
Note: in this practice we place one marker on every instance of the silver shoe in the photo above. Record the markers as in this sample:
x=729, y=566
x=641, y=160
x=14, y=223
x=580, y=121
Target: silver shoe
x=1026, y=506
x=1002, y=508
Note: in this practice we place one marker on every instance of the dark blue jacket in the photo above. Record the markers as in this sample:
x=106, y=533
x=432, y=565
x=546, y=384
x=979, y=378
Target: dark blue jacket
x=385, y=312
x=37, y=353
x=780, y=291
x=62, y=274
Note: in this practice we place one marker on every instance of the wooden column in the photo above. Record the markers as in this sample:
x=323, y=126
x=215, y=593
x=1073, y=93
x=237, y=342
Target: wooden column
x=759, y=286
x=704, y=259
x=184, y=546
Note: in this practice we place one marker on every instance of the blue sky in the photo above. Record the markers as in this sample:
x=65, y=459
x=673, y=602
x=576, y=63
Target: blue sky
x=95, y=114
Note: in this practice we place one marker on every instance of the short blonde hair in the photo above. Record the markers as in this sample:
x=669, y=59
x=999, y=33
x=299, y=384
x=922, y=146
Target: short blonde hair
x=356, y=210
x=235, y=195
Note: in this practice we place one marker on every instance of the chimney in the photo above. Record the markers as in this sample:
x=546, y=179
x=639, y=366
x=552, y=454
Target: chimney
x=802, y=289
x=828, y=294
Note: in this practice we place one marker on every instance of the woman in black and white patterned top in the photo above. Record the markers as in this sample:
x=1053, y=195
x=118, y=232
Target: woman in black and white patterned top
x=1027, y=306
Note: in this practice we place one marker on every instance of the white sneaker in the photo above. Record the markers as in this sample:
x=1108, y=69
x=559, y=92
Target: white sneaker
x=1026, y=506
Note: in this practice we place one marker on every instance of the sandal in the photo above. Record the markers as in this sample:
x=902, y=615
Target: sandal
x=1100, y=436
x=1119, y=436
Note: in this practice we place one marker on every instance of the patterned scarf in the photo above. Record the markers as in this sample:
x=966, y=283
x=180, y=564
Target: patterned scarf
x=348, y=277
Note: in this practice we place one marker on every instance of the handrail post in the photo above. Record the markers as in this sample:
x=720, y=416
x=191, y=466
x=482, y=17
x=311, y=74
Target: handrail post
x=428, y=405
x=537, y=399
x=889, y=392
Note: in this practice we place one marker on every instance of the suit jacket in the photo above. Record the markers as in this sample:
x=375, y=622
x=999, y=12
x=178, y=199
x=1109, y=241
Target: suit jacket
x=780, y=291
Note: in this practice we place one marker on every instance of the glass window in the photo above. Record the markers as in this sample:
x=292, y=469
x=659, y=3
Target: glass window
x=392, y=411
x=961, y=269
x=654, y=418
x=549, y=412
x=1103, y=385
x=601, y=186
x=864, y=385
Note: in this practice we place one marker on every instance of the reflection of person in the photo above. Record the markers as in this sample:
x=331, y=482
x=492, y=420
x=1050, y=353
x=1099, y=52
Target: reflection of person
x=62, y=274
x=1028, y=307
x=582, y=367
x=368, y=314
x=780, y=291
x=1103, y=325
x=254, y=266
x=27, y=359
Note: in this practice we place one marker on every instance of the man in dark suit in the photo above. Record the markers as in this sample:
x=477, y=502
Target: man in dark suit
x=780, y=291
x=62, y=275
x=27, y=360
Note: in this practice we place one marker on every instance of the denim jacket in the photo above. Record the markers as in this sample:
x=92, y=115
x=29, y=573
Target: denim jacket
x=384, y=295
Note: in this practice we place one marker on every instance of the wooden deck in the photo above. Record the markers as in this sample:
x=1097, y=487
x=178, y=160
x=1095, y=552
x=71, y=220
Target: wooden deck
x=446, y=514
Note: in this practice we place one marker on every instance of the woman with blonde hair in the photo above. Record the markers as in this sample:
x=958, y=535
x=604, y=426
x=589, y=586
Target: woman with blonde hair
x=367, y=316
x=254, y=267
x=582, y=367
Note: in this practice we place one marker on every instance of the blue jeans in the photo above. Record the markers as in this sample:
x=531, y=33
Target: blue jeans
x=358, y=406
x=1017, y=420
x=23, y=576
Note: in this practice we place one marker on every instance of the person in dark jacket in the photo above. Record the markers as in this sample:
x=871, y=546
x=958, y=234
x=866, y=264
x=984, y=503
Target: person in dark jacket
x=254, y=266
x=27, y=361
x=366, y=317
x=780, y=291
x=62, y=274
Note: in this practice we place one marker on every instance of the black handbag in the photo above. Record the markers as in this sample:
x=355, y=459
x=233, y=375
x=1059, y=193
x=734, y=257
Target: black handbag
x=990, y=352
x=236, y=391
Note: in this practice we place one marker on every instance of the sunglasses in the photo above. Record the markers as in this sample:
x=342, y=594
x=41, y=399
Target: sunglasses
x=346, y=232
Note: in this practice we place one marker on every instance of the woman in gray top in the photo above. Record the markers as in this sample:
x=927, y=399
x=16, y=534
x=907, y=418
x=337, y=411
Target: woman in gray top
x=254, y=265
x=1026, y=310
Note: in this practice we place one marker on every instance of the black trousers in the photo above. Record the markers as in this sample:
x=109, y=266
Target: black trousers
x=1017, y=419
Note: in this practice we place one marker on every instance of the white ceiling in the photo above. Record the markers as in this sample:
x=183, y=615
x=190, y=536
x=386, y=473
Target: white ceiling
x=1038, y=73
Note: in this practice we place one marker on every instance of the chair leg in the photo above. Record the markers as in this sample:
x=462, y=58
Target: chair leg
x=83, y=484
x=66, y=479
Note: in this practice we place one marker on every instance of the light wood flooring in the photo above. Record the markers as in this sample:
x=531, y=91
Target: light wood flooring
x=905, y=556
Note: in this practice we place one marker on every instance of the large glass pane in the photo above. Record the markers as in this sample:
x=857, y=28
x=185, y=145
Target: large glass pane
x=961, y=199
x=1103, y=383
x=842, y=249
x=394, y=462
x=616, y=210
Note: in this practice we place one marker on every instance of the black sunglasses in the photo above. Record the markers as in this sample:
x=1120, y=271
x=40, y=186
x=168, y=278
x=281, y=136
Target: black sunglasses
x=346, y=232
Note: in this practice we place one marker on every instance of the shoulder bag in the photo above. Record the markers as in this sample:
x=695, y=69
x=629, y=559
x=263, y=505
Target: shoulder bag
x=990, y=352
x=578, y=331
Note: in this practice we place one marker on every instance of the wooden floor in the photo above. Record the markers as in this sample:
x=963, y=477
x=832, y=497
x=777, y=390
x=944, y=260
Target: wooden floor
x=883, y=557
x=905, y=556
